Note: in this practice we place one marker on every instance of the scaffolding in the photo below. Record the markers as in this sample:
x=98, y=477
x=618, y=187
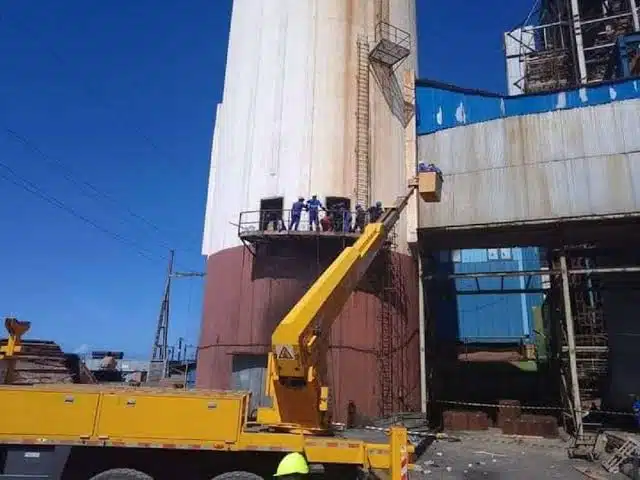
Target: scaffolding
x=576, y=313
x=569, y=43
x=391, y=351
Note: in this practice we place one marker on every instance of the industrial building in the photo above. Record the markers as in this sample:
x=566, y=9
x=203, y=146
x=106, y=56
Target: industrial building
x=539, y=207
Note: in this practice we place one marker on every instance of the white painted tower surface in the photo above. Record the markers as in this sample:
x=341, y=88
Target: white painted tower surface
x=287, y=123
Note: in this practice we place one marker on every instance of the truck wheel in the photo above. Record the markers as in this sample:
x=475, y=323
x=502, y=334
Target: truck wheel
x=238, y=476
x=122, y=474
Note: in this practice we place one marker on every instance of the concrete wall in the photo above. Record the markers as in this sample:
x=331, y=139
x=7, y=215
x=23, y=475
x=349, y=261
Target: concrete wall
x=531, y=157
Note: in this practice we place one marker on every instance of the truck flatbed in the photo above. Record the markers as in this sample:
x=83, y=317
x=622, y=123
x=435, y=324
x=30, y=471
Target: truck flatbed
x=157, y=418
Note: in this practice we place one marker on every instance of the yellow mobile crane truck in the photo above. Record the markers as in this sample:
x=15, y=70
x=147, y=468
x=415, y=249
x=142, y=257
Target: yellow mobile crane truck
x=109, y=433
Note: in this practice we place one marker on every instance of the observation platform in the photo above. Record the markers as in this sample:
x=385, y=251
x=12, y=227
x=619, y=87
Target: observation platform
x=266, y=226
x=392, y=45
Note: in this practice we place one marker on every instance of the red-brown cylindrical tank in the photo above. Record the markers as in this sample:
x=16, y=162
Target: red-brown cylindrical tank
x=374, y=342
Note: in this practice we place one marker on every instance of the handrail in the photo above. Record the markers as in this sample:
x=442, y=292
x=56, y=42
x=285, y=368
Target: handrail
x=255, y=221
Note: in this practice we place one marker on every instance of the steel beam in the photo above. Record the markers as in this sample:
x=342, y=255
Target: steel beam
x=571, y=343
x=525, y=273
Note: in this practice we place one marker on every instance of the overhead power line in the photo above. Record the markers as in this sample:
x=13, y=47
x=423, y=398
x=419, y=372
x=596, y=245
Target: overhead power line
x=87, y=188
x=12, y=177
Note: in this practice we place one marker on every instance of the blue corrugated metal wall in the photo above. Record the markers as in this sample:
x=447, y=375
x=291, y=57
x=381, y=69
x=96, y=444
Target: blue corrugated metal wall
x=440, y=106
x=494, y=318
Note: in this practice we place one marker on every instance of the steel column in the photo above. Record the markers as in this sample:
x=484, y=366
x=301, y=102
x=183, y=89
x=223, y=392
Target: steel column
x=571, y=343
x=422, y=333
x=634, y=14
x=579, y=44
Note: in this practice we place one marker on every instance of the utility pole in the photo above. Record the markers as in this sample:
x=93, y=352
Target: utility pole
x=159, y=360
x=160, y=357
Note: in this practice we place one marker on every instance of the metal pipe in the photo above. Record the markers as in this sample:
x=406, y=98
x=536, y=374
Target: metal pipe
x=526, y=273
x=422, y=333
x=634, y=15
x=571, y=344
x=498, y=291
x=577, y=32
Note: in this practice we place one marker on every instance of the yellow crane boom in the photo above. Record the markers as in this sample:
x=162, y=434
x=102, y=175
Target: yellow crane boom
x=297, y=373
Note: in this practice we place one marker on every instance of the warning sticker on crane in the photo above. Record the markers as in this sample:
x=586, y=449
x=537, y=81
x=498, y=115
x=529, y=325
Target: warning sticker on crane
x=284, y=352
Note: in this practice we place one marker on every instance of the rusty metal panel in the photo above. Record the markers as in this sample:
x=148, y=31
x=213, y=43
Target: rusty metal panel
x=244, y=300
x=248, y=373
x=563, y=163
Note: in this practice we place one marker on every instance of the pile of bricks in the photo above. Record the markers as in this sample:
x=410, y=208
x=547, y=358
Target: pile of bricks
x=461, y=420
x=513, y=422
x=510, y=420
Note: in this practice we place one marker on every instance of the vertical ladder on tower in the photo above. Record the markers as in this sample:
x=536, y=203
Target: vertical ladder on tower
x=362, y=123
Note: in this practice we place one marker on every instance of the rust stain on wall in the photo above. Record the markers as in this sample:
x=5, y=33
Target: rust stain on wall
x=245, y=298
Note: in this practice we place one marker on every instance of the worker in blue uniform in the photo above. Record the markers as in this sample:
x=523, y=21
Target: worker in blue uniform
x=296, y=213
x=313, y=205
x=346, y=220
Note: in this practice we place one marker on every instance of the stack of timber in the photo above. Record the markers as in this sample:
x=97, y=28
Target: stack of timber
x=40, y=362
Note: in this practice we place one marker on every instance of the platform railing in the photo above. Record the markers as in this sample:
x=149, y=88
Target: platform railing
x=390, y=33
x=280, y=221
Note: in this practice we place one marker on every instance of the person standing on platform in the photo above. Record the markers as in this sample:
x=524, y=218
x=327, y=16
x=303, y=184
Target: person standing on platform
x=346, y=220
x=375, y=212
x=313, y=205
x=296, y=212
x=361, y=219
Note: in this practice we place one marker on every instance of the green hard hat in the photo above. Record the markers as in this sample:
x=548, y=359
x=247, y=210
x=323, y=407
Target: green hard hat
x=291, y=464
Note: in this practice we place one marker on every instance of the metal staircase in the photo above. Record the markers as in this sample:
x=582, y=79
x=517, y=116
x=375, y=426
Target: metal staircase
x=362, y=124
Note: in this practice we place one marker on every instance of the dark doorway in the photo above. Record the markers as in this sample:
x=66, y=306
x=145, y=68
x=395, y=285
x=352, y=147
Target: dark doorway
x=271, y=213
x=332, y=202
x=336, y=207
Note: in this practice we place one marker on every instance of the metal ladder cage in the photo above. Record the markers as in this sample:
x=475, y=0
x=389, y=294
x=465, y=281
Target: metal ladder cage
x=363, y=170
x=392, y=44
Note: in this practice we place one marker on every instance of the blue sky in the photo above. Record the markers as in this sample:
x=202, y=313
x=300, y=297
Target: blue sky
x=107, y=109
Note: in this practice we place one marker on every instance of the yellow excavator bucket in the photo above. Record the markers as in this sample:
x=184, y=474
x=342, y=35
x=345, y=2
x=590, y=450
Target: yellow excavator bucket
x=16, y=329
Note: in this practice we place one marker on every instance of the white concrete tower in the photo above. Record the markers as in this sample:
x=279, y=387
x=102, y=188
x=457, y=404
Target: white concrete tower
x=292, y=121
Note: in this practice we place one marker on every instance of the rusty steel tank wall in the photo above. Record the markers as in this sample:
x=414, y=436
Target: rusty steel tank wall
x=245, y=298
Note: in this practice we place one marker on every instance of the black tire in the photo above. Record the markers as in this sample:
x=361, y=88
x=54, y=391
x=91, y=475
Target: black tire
x=122, y=474
x=238, y=476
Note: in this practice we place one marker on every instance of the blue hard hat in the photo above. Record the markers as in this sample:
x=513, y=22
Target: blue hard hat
x=378, y=203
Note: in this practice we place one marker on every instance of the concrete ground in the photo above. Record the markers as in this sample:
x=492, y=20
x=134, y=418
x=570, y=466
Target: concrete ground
x=492, y=456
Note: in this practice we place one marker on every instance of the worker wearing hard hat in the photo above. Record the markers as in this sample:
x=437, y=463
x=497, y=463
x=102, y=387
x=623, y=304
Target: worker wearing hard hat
x=296, y=213
x=293, y=467
x=313, y=205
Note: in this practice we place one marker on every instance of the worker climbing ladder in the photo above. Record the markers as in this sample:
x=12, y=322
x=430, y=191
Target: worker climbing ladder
x=362, y=123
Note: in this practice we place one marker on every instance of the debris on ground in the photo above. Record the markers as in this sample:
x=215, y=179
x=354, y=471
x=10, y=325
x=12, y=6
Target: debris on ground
x=477, y=457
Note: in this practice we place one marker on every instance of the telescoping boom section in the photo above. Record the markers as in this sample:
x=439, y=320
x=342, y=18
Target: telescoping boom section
x=297, y=367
